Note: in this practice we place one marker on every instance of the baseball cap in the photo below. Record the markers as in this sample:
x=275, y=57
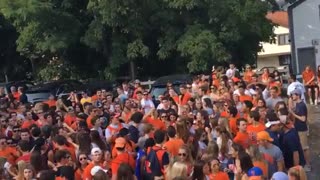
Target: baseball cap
x=95, y=150
x=264, y=135
x=270, y=123
x=137, y=81
x=280, y=176
x=123, y=132
x=70, y=108
x=95, y=169
x=120, y=142
x=296, y=91
x=255, y=173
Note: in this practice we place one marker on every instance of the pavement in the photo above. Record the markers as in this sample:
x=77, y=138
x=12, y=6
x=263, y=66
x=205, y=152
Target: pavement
x=314, y=141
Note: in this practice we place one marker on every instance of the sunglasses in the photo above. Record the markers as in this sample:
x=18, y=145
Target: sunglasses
x=67, y=157
x=226, y=105
x=83, y=159
x=3, y=121
x=182, y=154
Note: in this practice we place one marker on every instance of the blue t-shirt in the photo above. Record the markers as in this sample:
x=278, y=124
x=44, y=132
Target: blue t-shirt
x=140, y=154
x=301, y=110
x=290, y=143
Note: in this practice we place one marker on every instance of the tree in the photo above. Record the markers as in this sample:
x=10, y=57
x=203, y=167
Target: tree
x=46, y=29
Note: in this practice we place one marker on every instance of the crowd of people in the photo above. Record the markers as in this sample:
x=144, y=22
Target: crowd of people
x=226, y=127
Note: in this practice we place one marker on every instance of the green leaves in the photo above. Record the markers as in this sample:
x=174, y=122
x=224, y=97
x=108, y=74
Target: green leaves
x=107, y=35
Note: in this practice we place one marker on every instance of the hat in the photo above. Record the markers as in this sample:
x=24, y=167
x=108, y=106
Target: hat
x=137, y=81
x=296, y=91
x=120, y=142
x=280, y=176
x=255, y=173
x=123, y=132
x=95, y=150
x=271, y=116
x=264, y=135
x=270, y=123
x=213, y=69
x=95, y=169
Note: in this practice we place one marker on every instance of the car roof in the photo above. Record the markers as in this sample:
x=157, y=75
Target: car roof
x=49, y=85
x=176, y=79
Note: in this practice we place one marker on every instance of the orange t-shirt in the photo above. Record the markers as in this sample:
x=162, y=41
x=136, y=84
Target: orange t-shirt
x=78, y=174
x=90, y=126
x=51, y=103
x=233, y=125
x=87, y=172
x=219, y=176
x=9, y=153
x=172, y=146
x=16, y=95
x=27, y=123
x=129, y=148
x=247, y=76
x=156, y=123
x=243, y=98
x=69, y=120
x=263, y=166
x=242, y=139
x=122, y=158
x=307, y=76
x=185, y=99
x=254, y=130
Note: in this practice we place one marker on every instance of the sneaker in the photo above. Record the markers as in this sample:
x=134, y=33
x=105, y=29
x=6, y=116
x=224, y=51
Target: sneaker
x=307, y=168
x=311, y=102
x=315, y=102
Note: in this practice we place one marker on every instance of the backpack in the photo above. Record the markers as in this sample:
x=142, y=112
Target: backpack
x=153, y=166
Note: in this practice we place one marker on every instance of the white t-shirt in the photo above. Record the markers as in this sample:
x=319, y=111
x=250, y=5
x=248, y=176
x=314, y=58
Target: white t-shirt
x=230, y=73
x=147, y=105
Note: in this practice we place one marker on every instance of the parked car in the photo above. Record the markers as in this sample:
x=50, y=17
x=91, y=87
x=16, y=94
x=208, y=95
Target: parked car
x=25, y=84
x=61, y=88
x=93, y=85
x=159, y=87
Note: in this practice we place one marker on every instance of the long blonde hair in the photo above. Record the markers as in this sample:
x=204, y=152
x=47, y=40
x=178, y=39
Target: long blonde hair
x=22, y=165
x=176, y=170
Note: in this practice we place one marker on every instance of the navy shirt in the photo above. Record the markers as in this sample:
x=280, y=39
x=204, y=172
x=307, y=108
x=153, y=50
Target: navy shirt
x=134, y=134
x=274, y=136
x=301, y=110
x=290, y=143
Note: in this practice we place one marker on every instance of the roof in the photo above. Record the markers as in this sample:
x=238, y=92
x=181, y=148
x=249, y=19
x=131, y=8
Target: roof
x=174, y=79
x=279, y=17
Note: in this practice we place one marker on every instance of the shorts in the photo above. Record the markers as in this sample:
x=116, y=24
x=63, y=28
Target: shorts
x=303, y=135
x=311, y=86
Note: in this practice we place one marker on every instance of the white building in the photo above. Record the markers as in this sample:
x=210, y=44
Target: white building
x=277, y=52
x=304, y=25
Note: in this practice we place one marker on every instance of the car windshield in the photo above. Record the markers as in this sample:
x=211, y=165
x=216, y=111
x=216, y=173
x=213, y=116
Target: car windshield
x=160, y=90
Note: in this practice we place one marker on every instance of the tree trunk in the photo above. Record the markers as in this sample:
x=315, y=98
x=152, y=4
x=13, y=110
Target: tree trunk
x=132, y=72
x=33, y=68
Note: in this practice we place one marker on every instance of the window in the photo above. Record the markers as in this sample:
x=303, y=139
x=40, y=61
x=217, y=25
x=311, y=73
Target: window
x=283, y=39
x=284, y=60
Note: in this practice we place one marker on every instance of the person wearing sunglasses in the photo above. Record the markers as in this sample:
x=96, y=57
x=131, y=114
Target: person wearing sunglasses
x=216, y=173
x=81, y=164
x=185, y=157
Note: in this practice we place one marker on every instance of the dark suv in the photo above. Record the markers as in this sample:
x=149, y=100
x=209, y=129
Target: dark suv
x=159, y=87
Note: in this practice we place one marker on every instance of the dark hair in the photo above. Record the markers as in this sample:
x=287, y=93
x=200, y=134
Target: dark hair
x=248, y=104
x=239, y=120
x=36, y=131
x=208, y=102
x=100, y=175
x=159, y=136
x=198, y=170
x=245, y=161
x=237, y=147
x=47, y=175
x=171, y=131
x=255, y=115
x=59, y=155
x=36, y=161
x=264, y=102
x=294, y=77
x=233, y=111
x=137, y=117
x=84, y=142
x=125, y=172
x=24, y=145
x=60, y=140
x=94, y=120
x=95, y=138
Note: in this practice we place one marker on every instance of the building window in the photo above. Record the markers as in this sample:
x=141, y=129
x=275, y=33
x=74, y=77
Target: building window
x=284, y=60
x=283, y=39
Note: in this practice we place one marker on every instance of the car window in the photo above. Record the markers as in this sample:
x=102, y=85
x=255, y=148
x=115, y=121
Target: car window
x=156, y=91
